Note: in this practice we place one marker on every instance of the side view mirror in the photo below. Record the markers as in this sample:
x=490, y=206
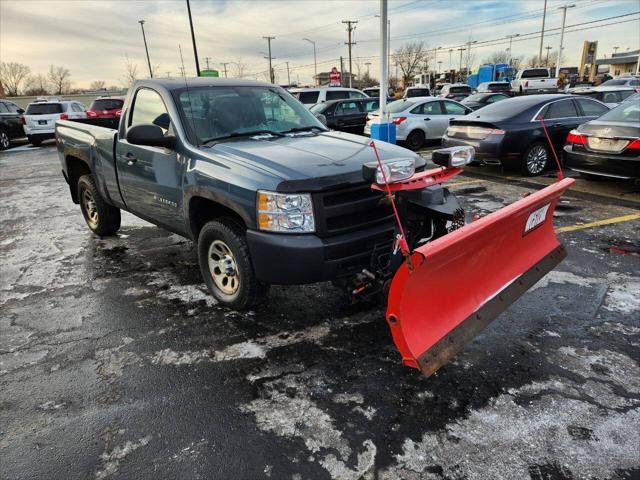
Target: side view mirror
x=322, y=118
x=149, y=135
x=20, y=111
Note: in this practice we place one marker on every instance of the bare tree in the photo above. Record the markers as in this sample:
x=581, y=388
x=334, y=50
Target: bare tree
x=551, y=61
x=497, y=57
x=36, y=85
x=59, y=78
x=409, y=57
x=12, y=74
x=239, y=68
x=130, y=72
x=98, y=85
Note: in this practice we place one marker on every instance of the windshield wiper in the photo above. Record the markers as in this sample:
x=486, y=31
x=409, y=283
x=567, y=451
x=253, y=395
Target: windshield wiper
x=243, y=134
x=303, y=129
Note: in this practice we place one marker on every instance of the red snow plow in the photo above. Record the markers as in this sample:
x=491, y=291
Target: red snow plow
x=447, y=288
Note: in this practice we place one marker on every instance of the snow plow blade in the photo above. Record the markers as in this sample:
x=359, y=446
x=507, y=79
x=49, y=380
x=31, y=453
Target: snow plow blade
x=462, y=281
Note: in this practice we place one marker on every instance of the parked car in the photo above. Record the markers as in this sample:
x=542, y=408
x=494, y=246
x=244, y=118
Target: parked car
x=509, y=133
x=534, y=80
x=311, y=96
x=633, y=98
x=627, y=81
x=10, y=123
x=608, y=146
x=456, y=91
x=345, y=115
x=106, y=107
x=493, y=87
x=40, y=118
x=611, y=96
x=270, y=196
x=371, y=91
x=420, y=119
x=438, y=88
x=479, y=100
x=417, y=91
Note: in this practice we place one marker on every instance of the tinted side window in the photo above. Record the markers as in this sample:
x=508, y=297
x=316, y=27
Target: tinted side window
x=337, y=95
x=591, y=108
x=13, y=108
x=347, y=108
x=429, y=108
x=454, y=109
x=634, y=83
x=148, y=107
x=356, y=95
x=561, y=109
x=535, y=73
x=624, y=94
x=611, y=97
x=3, y=108
x=371, y=105
x=308, y=97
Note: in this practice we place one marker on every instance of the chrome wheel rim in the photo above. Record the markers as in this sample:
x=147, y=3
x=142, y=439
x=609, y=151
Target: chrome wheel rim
x=4, y=140
x=223, y=267
x=90, y=208
x=537, y=159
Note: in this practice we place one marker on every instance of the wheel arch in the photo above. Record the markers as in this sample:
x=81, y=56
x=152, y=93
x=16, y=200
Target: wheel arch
x=203, y=206
x=76, y=167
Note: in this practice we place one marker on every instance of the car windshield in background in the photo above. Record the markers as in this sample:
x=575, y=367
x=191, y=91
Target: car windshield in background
x=221, y=112
x=616, y=82
x=627, y=112
x=474, y=98
x=44, y=108
x=107, y=104
x=308, y=97
x=399, y=106
x=535, y=73
x=499, y=87
x=418, y=92
x=460, y=89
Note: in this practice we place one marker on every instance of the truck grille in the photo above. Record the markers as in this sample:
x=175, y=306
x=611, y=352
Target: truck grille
x=350, y=209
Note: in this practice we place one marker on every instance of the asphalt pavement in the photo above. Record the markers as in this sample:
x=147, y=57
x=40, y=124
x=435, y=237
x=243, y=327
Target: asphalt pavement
x=116, y=363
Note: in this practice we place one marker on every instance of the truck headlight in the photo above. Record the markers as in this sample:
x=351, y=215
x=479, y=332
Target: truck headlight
x=285, y=212
x=394, y=170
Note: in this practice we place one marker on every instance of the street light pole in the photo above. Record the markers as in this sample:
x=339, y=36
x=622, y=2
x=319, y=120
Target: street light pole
x=271, y=75
x=564, y=18
x=193, y=40
x=288, y=75
x=544, y=16
x=350, y=43
x=460, y=67
x=384, y=57
x=144, y=37
x=315, y=61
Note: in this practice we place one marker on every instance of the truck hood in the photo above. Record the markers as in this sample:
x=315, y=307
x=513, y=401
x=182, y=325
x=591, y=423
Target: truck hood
x=309, y=161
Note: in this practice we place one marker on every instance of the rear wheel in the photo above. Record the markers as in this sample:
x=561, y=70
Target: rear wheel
x=225, y=264
x=4, y=140
x=415, y=140
x=103, y=219
x=535, y=159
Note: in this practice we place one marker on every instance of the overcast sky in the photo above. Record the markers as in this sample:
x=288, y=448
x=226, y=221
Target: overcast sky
x=92, y=37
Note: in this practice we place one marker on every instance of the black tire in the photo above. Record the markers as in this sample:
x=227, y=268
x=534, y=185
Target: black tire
x=415, y=140
x=36, y=142
x=102, y=219
x=4, y=140
x=222, y=244
x=535, y=159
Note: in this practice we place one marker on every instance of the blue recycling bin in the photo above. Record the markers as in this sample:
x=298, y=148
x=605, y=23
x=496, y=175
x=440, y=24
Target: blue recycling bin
x=385, y=132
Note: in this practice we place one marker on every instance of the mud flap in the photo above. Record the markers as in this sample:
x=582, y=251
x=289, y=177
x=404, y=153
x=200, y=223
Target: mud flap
x=462, y=281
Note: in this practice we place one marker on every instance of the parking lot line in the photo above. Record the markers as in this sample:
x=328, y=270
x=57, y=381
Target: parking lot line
x=467, y=182
x=599, y=223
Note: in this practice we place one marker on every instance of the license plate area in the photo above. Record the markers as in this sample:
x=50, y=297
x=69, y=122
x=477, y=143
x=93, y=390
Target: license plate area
x=42, y=122
x=606, y=144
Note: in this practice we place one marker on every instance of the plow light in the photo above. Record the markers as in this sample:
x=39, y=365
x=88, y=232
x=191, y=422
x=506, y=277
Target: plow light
x=453, y=156
x=395, y=170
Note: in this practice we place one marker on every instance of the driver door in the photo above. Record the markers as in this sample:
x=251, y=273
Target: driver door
x=151, y=177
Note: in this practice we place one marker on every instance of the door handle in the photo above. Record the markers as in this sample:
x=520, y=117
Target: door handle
x=427, y=119
x=131, y=159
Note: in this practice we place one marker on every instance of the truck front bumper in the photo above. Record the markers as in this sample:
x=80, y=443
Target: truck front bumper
x=286, y=259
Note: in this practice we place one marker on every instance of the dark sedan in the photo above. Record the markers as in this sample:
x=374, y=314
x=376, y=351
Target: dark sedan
x=10, y=123
x=509, y=133
x=608, y=146
x=479, y=100
x=346, y=115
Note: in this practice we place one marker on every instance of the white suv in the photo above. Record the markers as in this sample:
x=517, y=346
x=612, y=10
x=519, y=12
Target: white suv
x=39, y=121
x=311, y=96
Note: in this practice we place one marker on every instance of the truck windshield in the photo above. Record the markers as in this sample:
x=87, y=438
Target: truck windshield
x=216, y=113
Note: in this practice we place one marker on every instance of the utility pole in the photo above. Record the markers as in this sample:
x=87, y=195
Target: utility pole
x=384, y=57
x=450, y=51
x=367, y=64
x=350, y=28
x=182, y=70
x=510, y=37
x=224, y=67
x=544, y=16
x=546, y=61
x=144, y=37
x=168, y=74
x=564, y=17
x=206, y=59
x=271, y=75
x=288, y=75
x=315, y=62
x=193, y=40
x=460, y=67
x=341, y=72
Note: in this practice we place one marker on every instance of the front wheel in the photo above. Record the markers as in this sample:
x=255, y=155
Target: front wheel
x=415, y=140
x=535, y=159
x=4, y=140
x=225, y=264
x=103, y=219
